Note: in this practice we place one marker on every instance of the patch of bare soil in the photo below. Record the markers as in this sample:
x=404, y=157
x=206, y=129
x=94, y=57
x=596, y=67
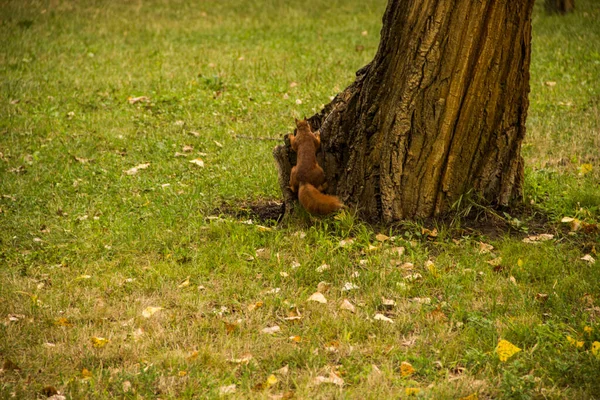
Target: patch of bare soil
x=262, y=210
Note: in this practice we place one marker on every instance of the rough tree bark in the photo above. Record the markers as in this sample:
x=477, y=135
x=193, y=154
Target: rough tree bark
x=559, y=6
x=439, y=112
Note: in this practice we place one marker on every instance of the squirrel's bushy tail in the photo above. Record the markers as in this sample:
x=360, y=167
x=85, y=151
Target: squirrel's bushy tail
x=316, y=202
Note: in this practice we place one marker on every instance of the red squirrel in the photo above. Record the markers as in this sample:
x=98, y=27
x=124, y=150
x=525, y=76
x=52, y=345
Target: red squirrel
x=307, y=177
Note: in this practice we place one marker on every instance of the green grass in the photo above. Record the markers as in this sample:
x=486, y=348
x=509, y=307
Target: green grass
x=85, y=248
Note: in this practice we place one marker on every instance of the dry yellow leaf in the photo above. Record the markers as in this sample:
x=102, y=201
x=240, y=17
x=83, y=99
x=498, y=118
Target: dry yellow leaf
x=62, y=322
x=574, y=342
x=182, y=373
x=295, y=339
x=411, y=391
x=406, y=369
x=99, y=342
x=585, y=169
x=381, y=237
x=86, y=374
x=506, y=350
x=271, y=380
x=596, y=349
x=149, y=311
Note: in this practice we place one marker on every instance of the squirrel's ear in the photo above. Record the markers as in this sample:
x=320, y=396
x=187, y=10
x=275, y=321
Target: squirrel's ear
x=296, y=120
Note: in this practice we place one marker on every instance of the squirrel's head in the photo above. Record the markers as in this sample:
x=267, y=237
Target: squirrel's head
x=302, y=124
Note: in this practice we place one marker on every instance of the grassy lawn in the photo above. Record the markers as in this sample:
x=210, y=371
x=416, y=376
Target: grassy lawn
x=125, y=282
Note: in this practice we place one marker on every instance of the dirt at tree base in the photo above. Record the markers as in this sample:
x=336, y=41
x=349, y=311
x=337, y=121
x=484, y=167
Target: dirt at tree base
x=485, y=222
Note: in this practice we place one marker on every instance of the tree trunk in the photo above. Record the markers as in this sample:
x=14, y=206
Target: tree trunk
x=559, y=6
x=439, y=112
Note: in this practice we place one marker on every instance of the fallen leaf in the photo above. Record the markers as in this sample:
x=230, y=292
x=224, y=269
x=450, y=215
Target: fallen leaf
x=86, y=374
x=229, y=389
x=295, y=339
x=346, y=242
x=495, y=262
x=318, y=297
x=346, y=305
x=406, y=369
x=271, y=380
x=218, y=144
x=134, y=100
x=254, y=306
x=381, y=317
x=421, y=300
x=62, y=322
x=541, y=297
x=349, y=286
x=388, y=303
x=407, y=266
x=149, y=311
x=99, y=342
x=49, y=391
x=184, y=284
x=332, y=378
x=271, y=330
x=381, y=237
x=542, y=237
x=485, y=248
x=596, y=349
x=293, y=84
x=134, y=170
x=9, y=365
x=198, y=162
x=550, y=83
x=585, y=169
x=243, y=360
x=410, y=391
x=506, y=350
x=322, y=267
x=413, y=277
x=588, y=258
x=283, y=371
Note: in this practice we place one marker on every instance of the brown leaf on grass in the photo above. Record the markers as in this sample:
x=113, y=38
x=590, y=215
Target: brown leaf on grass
x=381, y=237
x=495, y=262
x=49, y=391
x=387, y=304
x=62, y=322
x=9, y=365
x=485, y=248
x=243, y=360
x=323, y=287
x=332, y=378
x=295, y=339
x=323, y=267
x=187, y=148
x=346, y=305
x=542, y=237
x=271, y=330
x=135, y=170
x=381, y=317
x=198, y=162
x=541, y=297
x=283, y=371
x=229, y=327
x=318, y=297
x=588, y=258
x=254, y=306
x=82, y=160
x=349, y=286
x=229, y=389
x=550, y=83
x=406, y=369
x=139, y=99
x=99, y=342
x=431, y=234
x=150, y=311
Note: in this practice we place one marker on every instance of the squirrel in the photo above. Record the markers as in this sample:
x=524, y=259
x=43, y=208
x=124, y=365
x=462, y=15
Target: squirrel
x=307, y=177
